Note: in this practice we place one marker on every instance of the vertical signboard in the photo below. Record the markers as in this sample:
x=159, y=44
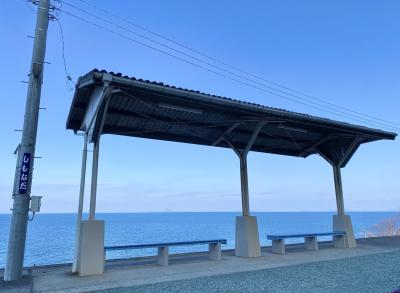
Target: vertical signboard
x=23, y=179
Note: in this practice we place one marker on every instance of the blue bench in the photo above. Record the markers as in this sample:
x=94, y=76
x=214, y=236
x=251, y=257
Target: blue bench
x=214, y=248
x=278, y=241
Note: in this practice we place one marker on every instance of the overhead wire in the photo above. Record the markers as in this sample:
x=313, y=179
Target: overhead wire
x=233, y=67
x=69, y=79
x=56, y=11
x=290, y=97
x=297, y=99
x=68, y=76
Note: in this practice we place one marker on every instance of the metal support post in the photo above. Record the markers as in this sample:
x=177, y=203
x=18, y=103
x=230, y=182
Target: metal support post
x=342, y=222
x=95, y=163
x=26, y=153
x=247, y=241
x=242, y=154
x=339, y=190
x=80, y=204
x=93, y=187
x=244, y=185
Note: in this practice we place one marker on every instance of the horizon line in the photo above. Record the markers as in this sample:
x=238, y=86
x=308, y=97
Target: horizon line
x=159, y=212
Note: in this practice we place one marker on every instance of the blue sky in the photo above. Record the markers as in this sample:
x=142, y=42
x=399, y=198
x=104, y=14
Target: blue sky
x=343, y=51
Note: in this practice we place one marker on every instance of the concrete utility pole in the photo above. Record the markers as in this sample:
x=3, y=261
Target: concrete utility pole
x=26, y=151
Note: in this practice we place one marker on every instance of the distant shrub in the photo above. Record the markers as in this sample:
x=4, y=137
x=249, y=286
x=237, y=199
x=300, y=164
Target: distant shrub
x=388, y=227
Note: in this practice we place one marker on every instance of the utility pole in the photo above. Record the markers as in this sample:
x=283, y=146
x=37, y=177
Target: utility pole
x=26, y=150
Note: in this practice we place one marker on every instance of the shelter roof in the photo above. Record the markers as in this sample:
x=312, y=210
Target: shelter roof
x=142, y=108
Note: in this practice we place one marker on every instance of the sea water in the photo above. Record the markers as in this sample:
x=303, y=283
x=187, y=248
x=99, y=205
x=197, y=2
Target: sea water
x=51, y=237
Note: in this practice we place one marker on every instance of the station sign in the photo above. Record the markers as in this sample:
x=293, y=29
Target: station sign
x=24, y=175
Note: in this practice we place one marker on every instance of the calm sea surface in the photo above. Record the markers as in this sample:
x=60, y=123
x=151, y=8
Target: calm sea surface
x=51, y=237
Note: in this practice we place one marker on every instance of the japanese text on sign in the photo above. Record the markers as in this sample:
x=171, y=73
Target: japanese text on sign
x=23, y=179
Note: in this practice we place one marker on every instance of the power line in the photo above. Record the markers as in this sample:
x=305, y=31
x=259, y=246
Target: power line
x=234, y=67
x=56, y=17
x=218, y=73
x=68, y=76
x=380, y=124
x=292, y=98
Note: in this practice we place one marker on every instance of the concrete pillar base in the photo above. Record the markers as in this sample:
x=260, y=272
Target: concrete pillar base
x=214, y=251
x=278, y=246
x=343, y=223
x=91, y=248
x=247, y=242
x=311, y=243
x=163, y=256
x=339, y=241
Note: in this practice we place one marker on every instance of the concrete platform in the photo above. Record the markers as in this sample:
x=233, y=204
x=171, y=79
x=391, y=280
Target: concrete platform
x=142, y=271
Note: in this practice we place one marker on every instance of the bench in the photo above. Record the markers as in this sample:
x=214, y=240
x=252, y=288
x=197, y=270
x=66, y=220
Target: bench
x=278, y=241
x=214, y=248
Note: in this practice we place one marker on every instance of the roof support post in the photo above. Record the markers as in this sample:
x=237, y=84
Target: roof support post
x=341, y=221
x=80, y=204
x=337, y=165
x=244, y=185
x=247, y=242
x=91, y=232
x=95, y=163
x=244, y=181
x=242, y=154
x=93, y=187
x=101, y=95
x=339, y=190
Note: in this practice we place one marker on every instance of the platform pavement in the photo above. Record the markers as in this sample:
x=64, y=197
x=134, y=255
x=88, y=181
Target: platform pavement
x=144, y=270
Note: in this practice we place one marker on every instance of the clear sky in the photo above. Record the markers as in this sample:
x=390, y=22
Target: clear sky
x=346, y=52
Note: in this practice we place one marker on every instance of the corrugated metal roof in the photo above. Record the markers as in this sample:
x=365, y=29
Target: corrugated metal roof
x=135, y=110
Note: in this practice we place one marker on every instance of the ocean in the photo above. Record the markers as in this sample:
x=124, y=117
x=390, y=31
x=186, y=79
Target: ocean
x=51, y=237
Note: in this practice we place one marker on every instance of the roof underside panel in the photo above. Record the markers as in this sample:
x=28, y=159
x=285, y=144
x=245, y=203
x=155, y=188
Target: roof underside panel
x=156, y=111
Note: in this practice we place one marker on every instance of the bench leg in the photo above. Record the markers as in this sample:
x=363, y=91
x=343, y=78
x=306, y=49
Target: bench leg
x=278, y=246
x=163, y=256
x=339, y=241
x=311, y=243
x=214, y=251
